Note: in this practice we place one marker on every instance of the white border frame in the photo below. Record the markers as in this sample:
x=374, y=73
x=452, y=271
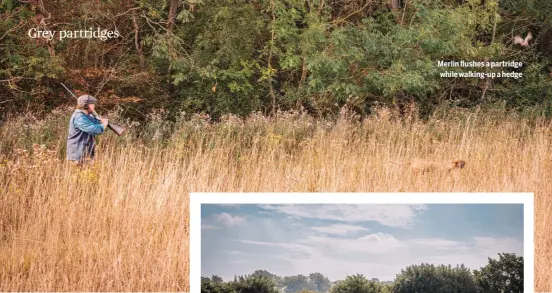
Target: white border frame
x=197, y=199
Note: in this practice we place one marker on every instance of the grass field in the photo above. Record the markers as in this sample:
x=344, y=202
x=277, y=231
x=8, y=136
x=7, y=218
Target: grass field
x=122, y=224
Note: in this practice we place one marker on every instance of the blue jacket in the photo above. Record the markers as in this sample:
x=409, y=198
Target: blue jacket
x=81, y=140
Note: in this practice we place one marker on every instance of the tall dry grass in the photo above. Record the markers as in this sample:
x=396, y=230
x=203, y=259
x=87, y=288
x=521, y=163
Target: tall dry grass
x=122, y=224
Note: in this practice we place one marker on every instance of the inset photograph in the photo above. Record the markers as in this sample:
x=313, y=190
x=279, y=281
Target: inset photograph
x=364, y=247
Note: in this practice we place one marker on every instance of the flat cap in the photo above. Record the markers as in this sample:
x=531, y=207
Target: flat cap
x=86, y=99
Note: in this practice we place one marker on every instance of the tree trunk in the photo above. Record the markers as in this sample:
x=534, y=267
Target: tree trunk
x=137, y=39
x=487, y=80
x=396, y=9
x=271, y=87
x=172, y=13
x=303, y=71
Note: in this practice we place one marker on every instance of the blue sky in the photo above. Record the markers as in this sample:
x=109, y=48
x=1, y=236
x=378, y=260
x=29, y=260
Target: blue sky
x=339, y=240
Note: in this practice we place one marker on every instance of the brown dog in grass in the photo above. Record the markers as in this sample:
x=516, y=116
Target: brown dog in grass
x=424, y=166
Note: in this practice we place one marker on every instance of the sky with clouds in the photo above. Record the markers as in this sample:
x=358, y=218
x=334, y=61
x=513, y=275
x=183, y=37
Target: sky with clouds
x=340, y=240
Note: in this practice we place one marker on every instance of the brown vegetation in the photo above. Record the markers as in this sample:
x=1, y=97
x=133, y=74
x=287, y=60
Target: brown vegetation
x=122, y=224
x=424, y=166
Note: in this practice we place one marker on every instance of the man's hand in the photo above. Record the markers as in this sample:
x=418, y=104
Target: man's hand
x=104, y=122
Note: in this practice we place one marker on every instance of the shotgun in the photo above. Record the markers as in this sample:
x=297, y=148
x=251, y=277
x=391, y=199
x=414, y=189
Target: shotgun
x=114, y=127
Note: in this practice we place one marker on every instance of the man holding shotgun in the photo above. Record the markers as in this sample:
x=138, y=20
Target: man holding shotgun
x=83, y=127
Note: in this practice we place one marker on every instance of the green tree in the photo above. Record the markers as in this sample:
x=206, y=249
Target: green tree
x=217, y=279
x=243, y=56
x=437, y=279
x=208, y=286
x=386, y=288
x=264, y=273
x=356, y=284
x=256, y=284
x=297, y=283
x=321, y=282
x=504, y=274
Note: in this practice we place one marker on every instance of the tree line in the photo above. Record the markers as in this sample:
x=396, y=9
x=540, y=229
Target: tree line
x=504, y=274
x=243, y=56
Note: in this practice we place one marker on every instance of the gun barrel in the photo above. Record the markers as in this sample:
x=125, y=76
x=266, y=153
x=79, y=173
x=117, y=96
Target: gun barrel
x=118, y=129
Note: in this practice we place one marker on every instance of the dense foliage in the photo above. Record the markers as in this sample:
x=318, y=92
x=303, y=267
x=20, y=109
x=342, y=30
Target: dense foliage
x=359, y=284
x=250, y=284
x=241, y=56
x=504, y=274
x=438, y=279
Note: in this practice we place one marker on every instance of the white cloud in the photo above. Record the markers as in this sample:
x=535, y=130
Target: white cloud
x=380, y=255
x=339, y=229
x=294, y=247
x=209, y=227
x=487, y=245
x=316, y=245
x=234, y=252
x=229, y=205
x=241, y=261
x=372, y=244
x=229, y=220
x=390, y=215
x=437, y=243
